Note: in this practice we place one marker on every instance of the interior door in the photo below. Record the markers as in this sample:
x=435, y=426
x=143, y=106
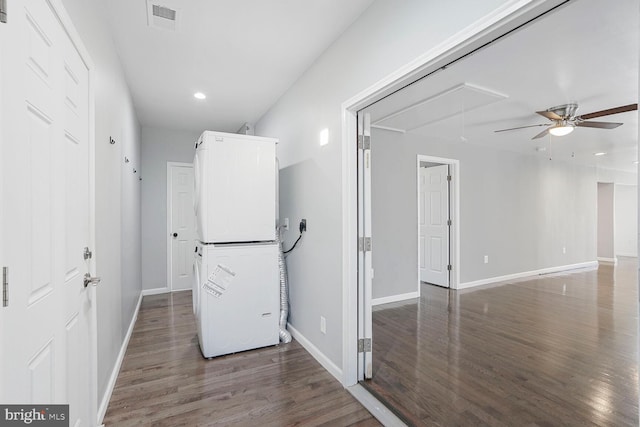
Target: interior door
x=48, y=348
x=365, y=276
x=182, y=226
x=436, y=228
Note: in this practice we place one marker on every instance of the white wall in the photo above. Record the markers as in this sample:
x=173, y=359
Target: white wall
x=626, y=216
x=520, y=210
x=117, y=193
x=159, y=146
x=387, y=36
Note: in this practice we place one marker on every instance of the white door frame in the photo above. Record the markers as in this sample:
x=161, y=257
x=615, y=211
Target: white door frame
x=502, y=20
x=169, y=231
x=454, y=212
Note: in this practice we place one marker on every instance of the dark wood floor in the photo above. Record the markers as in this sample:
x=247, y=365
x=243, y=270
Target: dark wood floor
x=554, y=350
x=164, y=381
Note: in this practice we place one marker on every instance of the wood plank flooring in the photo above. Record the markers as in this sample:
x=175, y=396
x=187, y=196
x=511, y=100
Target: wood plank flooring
x=165, y=381
x=556, y=350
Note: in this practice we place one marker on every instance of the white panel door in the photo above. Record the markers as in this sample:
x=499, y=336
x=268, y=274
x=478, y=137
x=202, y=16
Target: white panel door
x=182, y=227
x=434, y=234
x=47, y=347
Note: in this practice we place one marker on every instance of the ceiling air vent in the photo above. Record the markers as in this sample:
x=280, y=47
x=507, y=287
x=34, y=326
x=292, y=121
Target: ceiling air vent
x=161, y=16
x=164, y=12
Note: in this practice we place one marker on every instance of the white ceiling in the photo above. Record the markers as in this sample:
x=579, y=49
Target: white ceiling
x=243, y=54
x=586, y=51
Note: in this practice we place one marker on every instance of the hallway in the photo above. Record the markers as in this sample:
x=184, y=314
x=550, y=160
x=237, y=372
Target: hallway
x=165, y=381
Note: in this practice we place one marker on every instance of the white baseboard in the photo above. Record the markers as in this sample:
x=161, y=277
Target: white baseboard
x=629, y=255
x=588, y=264
x=611, y=260
x=104, y=404
x=155, y=291
x=394, y=298
x=316, y=353
x=373, y=405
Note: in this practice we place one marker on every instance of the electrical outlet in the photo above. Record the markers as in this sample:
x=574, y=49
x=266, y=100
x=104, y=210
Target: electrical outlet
x=486, y=259
x=285, y=224
x=303, y=225
x=564, y=250
x=323, y=325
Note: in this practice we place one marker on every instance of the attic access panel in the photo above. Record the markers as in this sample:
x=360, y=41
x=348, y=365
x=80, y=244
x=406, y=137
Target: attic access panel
x=448, y=103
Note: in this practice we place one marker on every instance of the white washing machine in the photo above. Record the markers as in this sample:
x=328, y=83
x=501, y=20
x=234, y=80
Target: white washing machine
x=236, y=297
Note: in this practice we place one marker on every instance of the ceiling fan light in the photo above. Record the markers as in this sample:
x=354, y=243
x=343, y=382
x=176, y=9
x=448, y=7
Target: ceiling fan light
x=561, y=129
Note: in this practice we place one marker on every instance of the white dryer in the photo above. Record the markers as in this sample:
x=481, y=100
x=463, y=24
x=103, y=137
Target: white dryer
x=236, y=297
x=235, y=188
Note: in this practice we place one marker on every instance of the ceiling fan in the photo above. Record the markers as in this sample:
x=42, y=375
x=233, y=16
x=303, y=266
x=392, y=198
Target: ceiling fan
x=564, y=119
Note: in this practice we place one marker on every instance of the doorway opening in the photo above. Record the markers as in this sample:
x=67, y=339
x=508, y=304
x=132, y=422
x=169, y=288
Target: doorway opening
x=533, y=212
x=438, y=219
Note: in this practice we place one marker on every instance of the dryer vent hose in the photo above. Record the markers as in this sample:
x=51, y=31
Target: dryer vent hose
x=285, y=336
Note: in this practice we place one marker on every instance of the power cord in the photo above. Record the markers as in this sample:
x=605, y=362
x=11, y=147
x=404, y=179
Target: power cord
x=303, y=228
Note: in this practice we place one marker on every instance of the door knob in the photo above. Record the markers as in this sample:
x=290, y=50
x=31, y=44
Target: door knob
x=175, y=234
x=88, y=280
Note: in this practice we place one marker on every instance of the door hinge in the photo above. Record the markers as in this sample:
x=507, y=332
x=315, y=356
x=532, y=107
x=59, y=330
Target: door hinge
x=3, y=11
x=87, y=254
x=364, y=142
x=449, y=268
x=448, y=177
x=364, y=345
x=364, y=244
x=449, y=222
x=5, y=286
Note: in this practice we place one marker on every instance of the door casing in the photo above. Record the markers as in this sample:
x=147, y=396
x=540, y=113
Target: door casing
x=497, y=24
x=454, y=210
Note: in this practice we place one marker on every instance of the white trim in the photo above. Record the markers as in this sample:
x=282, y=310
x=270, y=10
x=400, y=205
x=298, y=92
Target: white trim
x=506, y=17
x=349, y=248
x=316, y=353
x=388, y=128
x=375, y=407
x=171, y=165
x=116, y=369
x=627, y=255
x=454, y=206
x=155, y=291
x=609, y=260
x=588, y=264
x=395, y=298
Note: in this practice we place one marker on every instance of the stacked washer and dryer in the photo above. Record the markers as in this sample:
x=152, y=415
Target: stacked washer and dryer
x=236, y=292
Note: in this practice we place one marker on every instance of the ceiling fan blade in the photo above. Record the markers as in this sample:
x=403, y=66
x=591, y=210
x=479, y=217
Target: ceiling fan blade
x=520, y=127
x=610, y=111
x=541, y=134
x=549, y=115
x=599, y=125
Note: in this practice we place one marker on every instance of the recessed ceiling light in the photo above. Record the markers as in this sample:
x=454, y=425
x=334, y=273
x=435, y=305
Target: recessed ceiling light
x=601, y=153
x=199, y=95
